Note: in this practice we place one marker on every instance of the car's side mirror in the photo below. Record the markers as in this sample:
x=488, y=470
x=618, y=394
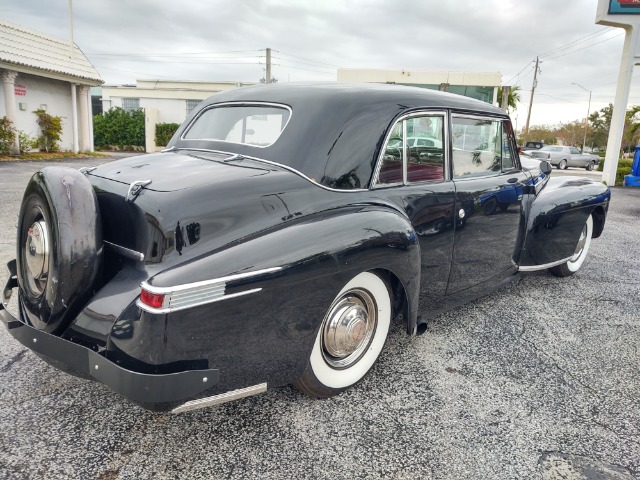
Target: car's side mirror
x=545, y=167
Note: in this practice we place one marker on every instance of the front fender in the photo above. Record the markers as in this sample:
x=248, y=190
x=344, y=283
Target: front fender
x=556, y=218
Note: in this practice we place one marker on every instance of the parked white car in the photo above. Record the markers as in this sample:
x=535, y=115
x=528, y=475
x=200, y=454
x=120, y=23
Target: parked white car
x=563, y=157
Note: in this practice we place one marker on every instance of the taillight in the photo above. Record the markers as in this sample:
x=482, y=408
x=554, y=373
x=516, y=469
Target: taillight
x=153, y=300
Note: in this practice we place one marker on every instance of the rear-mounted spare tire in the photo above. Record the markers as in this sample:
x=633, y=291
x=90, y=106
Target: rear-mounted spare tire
x=59, y=247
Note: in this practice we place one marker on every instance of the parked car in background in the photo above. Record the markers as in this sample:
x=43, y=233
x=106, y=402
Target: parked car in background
x=277, y=238
x=562, y=157
x=532, y=146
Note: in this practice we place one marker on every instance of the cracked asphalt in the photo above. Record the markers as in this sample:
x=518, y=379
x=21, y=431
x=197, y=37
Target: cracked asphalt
x=537, y=381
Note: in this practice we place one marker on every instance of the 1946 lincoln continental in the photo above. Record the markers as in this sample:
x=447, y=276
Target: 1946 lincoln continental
x=278, y=236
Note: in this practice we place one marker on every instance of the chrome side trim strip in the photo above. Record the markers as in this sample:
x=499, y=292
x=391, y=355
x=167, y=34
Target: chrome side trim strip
x=125, y=252
x=188, y=286
x=189, y=295
x=221, y=398
x=533, y=268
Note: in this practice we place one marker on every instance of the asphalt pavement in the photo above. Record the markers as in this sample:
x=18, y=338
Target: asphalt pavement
x=540, y=380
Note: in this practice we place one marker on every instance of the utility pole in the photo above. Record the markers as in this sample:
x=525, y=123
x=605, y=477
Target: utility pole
x=268, y=75
x=533, y=89
x=586, y=120
x=504, y=101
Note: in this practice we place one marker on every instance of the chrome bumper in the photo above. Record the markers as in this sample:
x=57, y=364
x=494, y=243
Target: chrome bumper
x=154, y=392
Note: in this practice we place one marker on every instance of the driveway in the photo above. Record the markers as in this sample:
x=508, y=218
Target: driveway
x=540, y=380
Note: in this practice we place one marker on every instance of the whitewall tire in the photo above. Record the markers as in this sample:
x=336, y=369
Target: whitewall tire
x=580, y=254
x=350, y=338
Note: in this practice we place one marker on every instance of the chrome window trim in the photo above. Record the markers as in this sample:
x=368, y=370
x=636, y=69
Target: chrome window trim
x=189, y=295
x=269, y=162
x=445, y=147
x=235, y=104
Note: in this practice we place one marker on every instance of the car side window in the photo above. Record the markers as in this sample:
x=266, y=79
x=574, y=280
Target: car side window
x=477, y=146
x=414, y=151
x=508, y=162
x=574, y=150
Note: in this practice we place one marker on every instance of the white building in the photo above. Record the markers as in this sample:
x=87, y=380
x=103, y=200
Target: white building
x=479, y=85
x=162, y=101
x=43, y=72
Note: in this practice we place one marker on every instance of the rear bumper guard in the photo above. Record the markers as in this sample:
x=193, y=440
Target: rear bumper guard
x=137, y=387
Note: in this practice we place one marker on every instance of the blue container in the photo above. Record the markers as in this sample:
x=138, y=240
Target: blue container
x=633, y=180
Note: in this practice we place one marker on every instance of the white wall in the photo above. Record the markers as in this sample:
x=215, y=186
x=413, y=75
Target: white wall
x=55, y=94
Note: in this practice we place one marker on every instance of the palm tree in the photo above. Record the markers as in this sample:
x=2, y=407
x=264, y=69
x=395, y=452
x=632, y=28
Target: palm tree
x=513, y=98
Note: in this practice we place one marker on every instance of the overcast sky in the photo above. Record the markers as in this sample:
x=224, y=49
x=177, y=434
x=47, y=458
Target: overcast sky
x=225, y=40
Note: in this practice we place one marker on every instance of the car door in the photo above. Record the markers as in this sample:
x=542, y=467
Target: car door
x=577, y=159
x=420, y=183
x=489, y=184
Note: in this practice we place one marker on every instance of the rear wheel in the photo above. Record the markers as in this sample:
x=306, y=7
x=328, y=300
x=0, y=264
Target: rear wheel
x=350, y=338
x=582, y=248
x=590, y=166
x=563, y=164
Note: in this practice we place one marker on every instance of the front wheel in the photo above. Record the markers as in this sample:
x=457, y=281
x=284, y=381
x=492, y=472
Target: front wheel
x=590, y=166
x=582, y=248
x=350, y=338
x=563, y=164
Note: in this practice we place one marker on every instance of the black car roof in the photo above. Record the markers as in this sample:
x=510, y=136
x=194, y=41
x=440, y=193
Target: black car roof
x=336, y=130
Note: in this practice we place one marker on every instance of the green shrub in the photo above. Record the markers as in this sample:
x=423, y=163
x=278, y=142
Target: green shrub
x=164, y=132
x=7, y=135
x=624, y=168
x=51, y=131
x=119, y=128
x=27, y=143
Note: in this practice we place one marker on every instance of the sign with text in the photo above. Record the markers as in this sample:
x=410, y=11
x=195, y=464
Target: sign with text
x=624, y=7
x=20, y=90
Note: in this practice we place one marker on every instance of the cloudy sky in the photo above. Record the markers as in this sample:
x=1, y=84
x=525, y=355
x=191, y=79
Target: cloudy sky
x=225, y=40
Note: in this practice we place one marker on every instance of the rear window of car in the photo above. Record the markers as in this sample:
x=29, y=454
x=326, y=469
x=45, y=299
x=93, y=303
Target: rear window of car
x=256, y=125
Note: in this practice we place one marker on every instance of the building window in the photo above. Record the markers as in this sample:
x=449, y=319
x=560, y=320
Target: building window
x=130, y=104
x=191, y=104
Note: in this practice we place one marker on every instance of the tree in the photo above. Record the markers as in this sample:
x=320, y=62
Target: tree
x=571, y=133
x=599, y=123
x=512, y=99
x=538, y=133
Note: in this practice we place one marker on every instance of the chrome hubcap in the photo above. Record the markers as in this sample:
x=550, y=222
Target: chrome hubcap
x=37, y=256
x=349, y=328
x=581, y=244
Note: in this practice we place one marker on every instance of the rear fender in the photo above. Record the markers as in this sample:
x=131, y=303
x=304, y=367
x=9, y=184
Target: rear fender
x=556, y=218
x=271, y=319
x=326, y=249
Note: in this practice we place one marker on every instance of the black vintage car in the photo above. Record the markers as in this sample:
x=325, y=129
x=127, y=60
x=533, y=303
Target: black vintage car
x=277, y=238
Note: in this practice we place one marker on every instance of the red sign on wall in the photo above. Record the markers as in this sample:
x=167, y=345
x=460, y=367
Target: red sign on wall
x=20, y=90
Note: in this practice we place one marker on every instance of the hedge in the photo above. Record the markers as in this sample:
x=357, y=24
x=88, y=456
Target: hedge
x=117, y=127
x=164, y=132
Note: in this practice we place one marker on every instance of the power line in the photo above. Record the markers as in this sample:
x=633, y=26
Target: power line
x=518, y=74
x=307, y=59
x=301, y=63
x=591, y=36
x=172, y=54
x=583, y=48
x=301, y=68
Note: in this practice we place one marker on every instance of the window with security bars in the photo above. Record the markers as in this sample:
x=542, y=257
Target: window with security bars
x=130, y=104
x=191, y=104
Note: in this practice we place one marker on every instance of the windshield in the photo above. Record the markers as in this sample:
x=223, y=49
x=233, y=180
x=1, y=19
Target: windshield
x=256, y=125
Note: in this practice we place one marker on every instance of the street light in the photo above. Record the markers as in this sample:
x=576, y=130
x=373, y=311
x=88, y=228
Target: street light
x=586, y=120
